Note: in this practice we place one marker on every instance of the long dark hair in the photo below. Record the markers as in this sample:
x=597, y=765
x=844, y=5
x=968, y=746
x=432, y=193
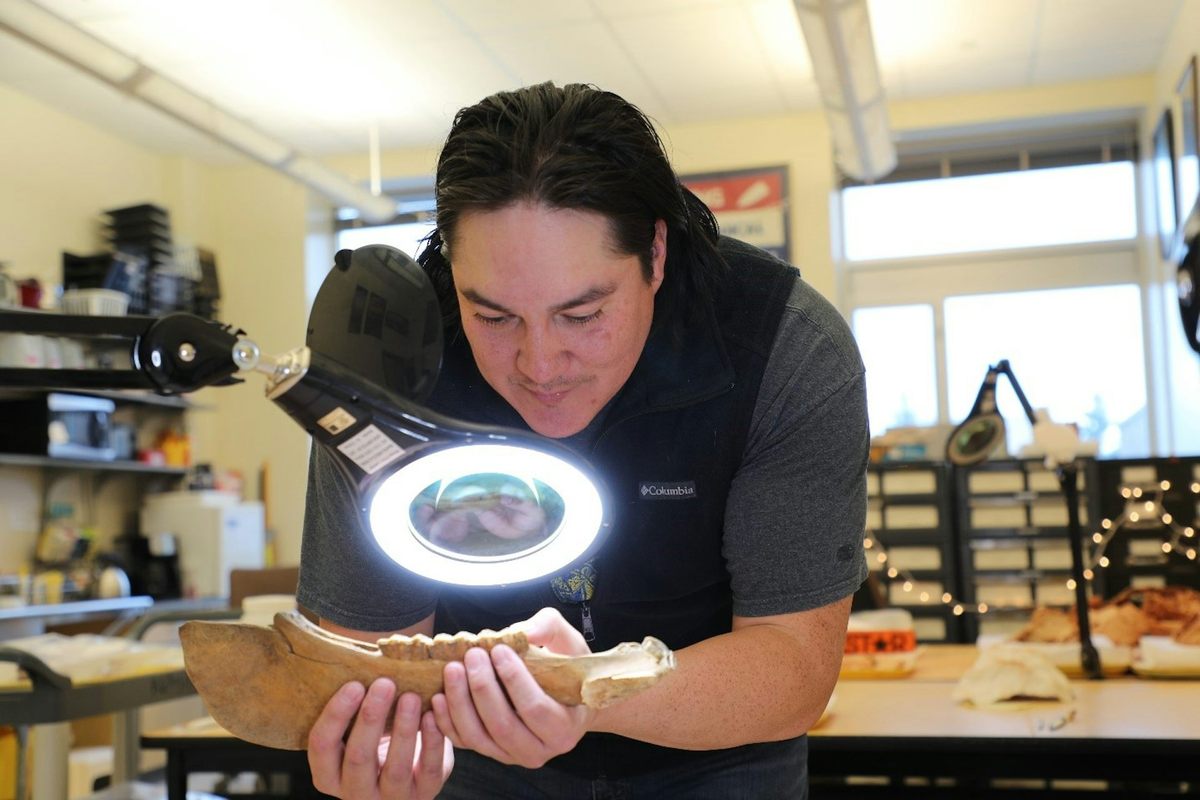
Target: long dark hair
x=575, y=147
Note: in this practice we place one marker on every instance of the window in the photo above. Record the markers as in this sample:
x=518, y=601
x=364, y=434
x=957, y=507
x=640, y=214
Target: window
x=1023, y=250
x=414, y=220
x=897, y=344
x=1004, y=210
x=404, y=236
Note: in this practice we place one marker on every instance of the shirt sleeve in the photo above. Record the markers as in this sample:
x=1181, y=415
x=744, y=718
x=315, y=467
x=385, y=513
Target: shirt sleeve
x=344, y=576
x=796, y=514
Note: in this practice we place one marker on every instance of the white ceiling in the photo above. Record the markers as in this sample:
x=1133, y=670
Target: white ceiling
x=318, y=73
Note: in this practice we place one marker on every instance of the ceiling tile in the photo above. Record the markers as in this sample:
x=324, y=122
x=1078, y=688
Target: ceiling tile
x=575, y=53
x=615, y=9
x=1073, y=24
x=778, y=31
x=928, y=80
x=89, y=10
x=510, y=15
x=711, y=52
x=916, y=32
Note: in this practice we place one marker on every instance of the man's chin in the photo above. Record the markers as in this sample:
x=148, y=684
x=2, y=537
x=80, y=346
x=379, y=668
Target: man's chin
x=555, y=424
x=556, y=431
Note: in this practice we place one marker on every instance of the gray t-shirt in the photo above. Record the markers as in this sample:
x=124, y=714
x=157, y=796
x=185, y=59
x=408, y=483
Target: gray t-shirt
x=806, y=449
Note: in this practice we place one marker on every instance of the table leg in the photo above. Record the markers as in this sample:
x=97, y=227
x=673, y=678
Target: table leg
x=22, y=762
x=51, y=767
x=176, y=775
x=126, y=746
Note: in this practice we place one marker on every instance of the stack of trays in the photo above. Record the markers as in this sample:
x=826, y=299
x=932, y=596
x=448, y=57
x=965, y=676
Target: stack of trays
x=144, y=231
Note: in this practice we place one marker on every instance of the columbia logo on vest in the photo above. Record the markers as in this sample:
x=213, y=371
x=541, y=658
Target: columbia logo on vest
x=662, y=490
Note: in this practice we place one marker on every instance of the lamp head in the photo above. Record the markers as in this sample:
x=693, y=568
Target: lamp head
x=974, y=439
x=445, y=498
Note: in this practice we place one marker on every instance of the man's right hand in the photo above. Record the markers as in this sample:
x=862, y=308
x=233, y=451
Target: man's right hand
x=412, y=763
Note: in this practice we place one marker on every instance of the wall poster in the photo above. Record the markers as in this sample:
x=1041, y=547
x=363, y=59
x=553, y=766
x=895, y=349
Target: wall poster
x=750, y=205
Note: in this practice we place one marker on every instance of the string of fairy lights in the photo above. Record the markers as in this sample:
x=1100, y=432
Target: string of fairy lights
x=1144, y=510
x=876, y=550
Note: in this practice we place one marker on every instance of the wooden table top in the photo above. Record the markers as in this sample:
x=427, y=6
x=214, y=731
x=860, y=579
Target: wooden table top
x=920, y=705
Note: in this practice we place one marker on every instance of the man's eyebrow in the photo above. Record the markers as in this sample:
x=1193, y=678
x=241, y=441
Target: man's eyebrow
x=479, y=300
x=590, y=296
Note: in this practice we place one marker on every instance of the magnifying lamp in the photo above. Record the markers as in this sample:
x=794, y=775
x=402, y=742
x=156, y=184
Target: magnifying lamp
x=447, y=499
x=983, y=429
x=974, y=440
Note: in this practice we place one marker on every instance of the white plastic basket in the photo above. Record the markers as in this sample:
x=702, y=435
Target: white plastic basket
x=95, y=302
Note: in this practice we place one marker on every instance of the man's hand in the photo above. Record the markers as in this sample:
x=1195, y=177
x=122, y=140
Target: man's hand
x=411, y=764
x=492, y=705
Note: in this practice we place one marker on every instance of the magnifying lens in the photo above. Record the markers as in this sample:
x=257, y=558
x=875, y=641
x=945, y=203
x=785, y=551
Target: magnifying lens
x=974, y=439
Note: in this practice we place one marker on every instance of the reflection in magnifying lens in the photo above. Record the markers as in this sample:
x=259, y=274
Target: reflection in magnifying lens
x=485, y=515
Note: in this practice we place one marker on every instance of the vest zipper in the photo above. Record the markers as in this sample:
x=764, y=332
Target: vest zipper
x=589, y=631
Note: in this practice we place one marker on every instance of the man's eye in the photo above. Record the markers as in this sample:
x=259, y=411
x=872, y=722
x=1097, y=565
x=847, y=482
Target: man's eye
x=486, y=320
x=585, y=319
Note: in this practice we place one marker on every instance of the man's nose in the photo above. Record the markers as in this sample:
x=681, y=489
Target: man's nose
x=541, y=355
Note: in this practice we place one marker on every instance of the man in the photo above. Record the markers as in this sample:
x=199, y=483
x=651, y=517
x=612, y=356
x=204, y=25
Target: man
x=589, y=298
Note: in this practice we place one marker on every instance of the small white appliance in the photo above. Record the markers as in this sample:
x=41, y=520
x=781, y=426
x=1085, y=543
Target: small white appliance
x=216, y=532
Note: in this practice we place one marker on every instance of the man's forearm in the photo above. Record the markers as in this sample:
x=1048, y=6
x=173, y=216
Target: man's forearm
x=758, y=683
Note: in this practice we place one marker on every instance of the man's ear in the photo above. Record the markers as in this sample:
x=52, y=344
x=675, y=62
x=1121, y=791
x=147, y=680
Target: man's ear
x=658, y=254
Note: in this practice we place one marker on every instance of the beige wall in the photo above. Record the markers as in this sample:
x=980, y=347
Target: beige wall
x=58, y=175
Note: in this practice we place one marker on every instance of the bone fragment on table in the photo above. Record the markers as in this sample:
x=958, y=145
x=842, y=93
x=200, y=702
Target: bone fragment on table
x=1008, y=672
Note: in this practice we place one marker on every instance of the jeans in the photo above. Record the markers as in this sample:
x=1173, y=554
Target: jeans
x=778, y=774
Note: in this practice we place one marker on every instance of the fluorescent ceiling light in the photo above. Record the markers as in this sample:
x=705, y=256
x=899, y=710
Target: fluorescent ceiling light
x=838, y=35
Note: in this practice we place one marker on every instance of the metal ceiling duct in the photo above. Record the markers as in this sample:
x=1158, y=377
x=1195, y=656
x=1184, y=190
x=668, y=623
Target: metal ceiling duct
x=838, y=36
x=64, y=40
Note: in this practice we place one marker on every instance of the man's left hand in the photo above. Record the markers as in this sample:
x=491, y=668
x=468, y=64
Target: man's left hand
x=492, y=705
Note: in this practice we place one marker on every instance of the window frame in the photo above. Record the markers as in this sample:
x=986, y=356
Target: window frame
x=1016, y=145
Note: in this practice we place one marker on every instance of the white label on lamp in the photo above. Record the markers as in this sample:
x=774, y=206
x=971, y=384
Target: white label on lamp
x=371, y=449
x=337, y=420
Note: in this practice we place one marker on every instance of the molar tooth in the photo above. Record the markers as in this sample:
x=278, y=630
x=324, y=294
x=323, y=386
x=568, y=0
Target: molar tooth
x=446, y=648
x=406, y=648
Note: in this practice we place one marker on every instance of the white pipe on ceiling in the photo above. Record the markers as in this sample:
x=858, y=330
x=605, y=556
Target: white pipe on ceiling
x=62, y=39
x=838, y=36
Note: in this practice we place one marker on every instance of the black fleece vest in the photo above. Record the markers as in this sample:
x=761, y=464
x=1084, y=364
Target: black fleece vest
x=669, y=447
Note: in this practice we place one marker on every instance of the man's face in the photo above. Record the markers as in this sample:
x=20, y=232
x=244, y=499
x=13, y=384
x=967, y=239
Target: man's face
x=555, y=317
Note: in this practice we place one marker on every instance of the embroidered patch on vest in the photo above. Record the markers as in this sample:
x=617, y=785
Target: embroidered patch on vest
x=667, y=490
